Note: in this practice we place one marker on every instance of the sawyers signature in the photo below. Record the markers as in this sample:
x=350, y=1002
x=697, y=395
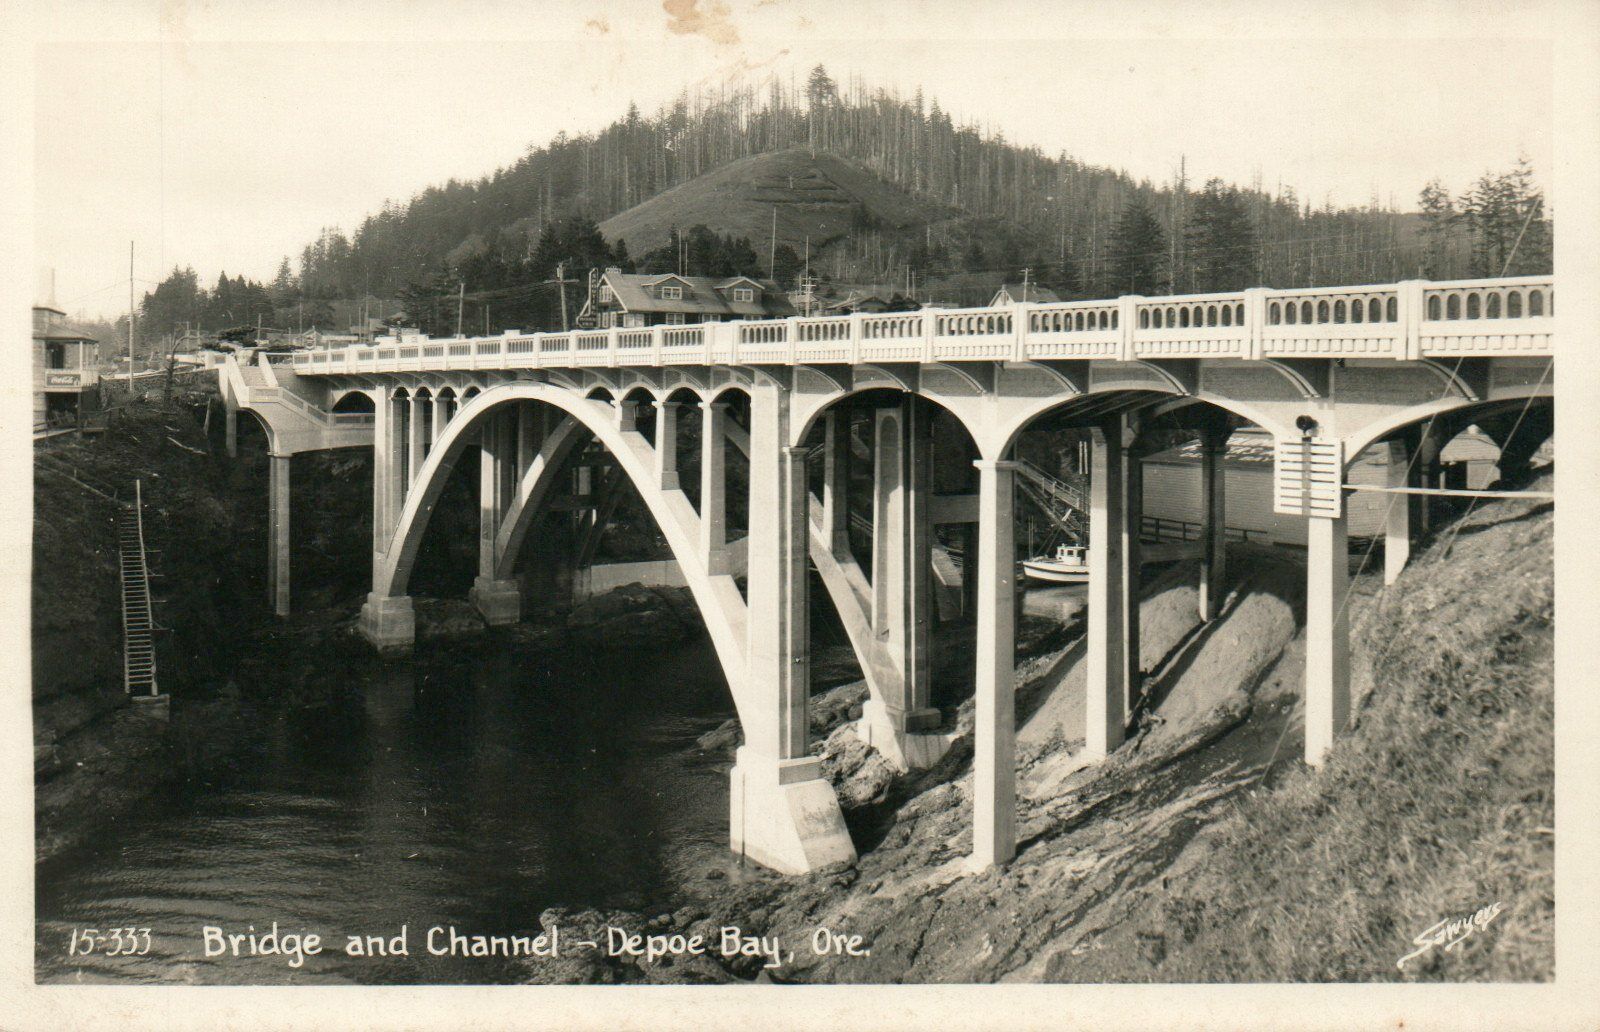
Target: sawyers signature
x=1451, y=931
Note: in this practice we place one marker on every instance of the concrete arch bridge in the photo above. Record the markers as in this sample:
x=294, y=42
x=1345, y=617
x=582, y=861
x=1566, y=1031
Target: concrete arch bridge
x=1328, y=372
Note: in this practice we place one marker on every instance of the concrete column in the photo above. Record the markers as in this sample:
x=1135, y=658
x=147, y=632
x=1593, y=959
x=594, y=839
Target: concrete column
x=230, y=429
x=714, y=486
x=1214, y=519
x=888, y=526
x=1105, y=706
x=528, y=434
x=278, y=538
x=439, y=418
x=994, y=833
x=1132, y=561
x=387, y=621
x=969, y=582
x=627, y=415
x=1427, y=472
x=1397, y=526
x=1327, y=634
x=794, y=695
x=783, y=813
x=416, y=439
x=667, y=445
x=836, y=480
x=499, y=601
x=902, y=590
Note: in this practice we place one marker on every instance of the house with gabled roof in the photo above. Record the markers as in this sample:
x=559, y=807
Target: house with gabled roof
x=651, y=299
x=1032, y=293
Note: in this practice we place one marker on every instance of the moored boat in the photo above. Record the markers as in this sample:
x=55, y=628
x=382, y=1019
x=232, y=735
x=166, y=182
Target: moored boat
x=1069, y=565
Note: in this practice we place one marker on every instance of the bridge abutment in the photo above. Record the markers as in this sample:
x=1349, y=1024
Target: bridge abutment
x=499, y=602
x=388, y=623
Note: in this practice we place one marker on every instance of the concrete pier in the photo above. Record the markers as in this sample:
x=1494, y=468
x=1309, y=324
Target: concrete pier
x=994, y=787
x=1327, y=634
x=1105, y=706
x=278, y=539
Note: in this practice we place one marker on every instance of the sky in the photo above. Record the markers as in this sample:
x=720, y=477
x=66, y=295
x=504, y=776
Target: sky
x=225, y=136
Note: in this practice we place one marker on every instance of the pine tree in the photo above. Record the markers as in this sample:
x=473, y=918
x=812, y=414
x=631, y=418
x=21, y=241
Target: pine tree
x=1138, y=252
x=1222, y=242
x=1439, y=220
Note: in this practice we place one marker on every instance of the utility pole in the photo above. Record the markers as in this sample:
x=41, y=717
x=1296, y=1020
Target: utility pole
x=130, y=319
x=461, y=300
x=1025, y=274
x=772, y=249
x=561, y=282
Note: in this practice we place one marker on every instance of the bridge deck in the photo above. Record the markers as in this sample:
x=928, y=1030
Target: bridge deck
x=1412, y=320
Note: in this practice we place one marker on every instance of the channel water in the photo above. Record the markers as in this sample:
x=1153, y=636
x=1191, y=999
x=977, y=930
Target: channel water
x=470, y=789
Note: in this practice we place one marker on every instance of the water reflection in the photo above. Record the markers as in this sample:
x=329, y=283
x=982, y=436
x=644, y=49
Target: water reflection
x=474, y=790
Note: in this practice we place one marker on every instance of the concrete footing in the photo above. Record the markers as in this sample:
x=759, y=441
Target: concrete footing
x=910, y=744
x=784, y=815
x=499, y=602
x=388, y=623
x=157, y=706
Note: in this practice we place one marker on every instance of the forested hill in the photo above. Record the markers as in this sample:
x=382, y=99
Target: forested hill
x=966, y=209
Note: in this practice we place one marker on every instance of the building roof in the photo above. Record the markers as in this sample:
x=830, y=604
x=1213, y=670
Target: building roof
x=702, y=295
x=1247, y=445
x=1033, y=294
x=51, y=324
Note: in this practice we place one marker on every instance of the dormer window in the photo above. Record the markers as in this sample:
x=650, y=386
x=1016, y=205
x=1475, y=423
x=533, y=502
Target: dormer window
x=744, y=293
x=671, y=293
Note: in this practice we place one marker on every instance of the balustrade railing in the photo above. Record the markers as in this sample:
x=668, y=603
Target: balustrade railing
x=1409, y=320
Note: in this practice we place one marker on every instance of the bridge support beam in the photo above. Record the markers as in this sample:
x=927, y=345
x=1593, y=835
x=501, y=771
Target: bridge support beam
x=666, y=445
x=1105, y=706
x=416, y=439
x=498, y=600
x=836, y=480
x=1213, y=520
x=902, y=588
x=387, y=622
x=439, y=418
x=714, y=486
x=1428, y=471
x=784, y=814
x=994, y=819
x=1132, y=569
x=1327, y=634
x=278, y=491
x=1397, y=523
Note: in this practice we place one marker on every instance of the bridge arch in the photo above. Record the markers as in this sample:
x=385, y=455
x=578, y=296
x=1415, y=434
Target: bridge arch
x=266, y=428
x=354, y=401
x=719, y=603
x=1119, y=399
x=1453, y=409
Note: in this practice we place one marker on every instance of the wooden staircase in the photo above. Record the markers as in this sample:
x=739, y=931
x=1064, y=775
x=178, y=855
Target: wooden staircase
x=138, y=622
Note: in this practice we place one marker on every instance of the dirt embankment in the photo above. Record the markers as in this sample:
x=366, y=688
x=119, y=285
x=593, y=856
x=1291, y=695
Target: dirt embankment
x=94, y=756
x=1204, y=849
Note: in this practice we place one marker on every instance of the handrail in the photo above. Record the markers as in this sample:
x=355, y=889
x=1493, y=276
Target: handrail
x=1407, y=320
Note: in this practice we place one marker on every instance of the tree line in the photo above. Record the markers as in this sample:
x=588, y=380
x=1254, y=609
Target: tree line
x=1086, y=230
